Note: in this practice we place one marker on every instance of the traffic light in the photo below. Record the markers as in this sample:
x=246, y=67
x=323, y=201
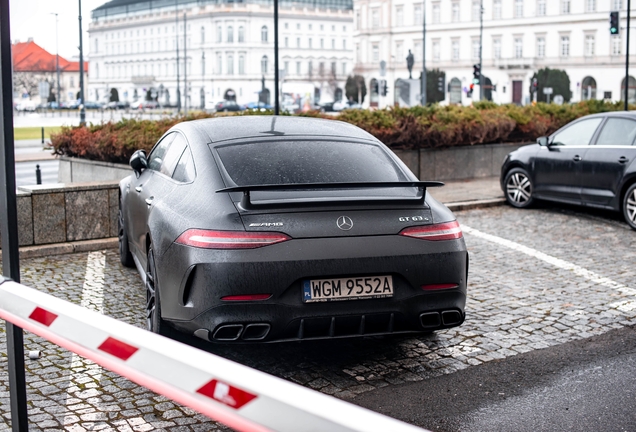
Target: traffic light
x=441, y=83
x=470, y=91
x=476, y=73
x=534, y=86
x=374, y=87
x=614, y=23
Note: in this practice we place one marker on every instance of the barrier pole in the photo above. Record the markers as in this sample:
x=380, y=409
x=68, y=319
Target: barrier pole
x=9, y=229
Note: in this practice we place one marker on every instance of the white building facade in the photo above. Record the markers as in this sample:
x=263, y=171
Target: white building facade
x=519, y=38
x=228, y=48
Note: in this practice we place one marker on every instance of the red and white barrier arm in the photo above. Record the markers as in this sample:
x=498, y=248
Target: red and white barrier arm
x=236, y=395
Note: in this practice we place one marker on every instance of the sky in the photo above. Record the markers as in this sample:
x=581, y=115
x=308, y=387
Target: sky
x=32, y=18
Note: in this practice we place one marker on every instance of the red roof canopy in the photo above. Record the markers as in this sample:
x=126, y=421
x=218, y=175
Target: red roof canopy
x=30, y=57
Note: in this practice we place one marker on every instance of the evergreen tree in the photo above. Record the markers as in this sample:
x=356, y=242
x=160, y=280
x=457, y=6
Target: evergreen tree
x=355, y=85
x=557, y=79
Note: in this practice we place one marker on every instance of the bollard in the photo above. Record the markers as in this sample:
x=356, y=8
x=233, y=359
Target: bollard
x=42, y=135
x=38, y=175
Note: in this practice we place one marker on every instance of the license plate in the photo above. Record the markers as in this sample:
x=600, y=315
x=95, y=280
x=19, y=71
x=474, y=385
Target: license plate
x=322, y=290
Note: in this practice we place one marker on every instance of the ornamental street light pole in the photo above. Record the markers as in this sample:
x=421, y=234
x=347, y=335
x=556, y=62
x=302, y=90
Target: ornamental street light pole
x=176, y=42
x=185, y=65
x=627, y=59
x=481, y=44
x=81, y=65
x=276, y=98
x=424, y=99
x=57, y=61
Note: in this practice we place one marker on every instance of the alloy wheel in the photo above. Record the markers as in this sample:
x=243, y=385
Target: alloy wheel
x=519, y=188
x=630, y=207
x=151, y=297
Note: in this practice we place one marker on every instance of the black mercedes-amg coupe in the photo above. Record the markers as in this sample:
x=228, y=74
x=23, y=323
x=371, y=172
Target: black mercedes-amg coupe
x=265, y=228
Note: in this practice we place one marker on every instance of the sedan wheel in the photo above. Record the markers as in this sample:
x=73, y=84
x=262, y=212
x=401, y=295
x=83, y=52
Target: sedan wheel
x=125, y=256
x=629, y=206
x=153, y=307
x=518, y=188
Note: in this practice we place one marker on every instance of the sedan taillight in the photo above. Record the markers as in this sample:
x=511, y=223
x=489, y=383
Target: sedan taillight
x=443, y=231
x=210, y=239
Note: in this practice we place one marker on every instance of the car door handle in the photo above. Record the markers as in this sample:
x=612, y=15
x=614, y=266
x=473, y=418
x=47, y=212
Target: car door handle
x=576, y=158
x=623, y=160
x=149, y=200
x=138, y=188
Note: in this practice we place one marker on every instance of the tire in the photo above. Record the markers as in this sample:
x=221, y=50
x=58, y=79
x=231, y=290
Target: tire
x=125, y=256
x=629, y=206
x=153, y=303
x=518, y=188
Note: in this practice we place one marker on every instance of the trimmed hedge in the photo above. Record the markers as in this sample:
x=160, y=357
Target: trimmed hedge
x=431, y=126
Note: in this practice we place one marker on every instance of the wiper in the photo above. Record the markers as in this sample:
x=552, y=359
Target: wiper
x=246, y=202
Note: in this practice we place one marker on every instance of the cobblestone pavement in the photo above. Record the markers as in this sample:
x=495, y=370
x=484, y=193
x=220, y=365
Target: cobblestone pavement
x=538, y=278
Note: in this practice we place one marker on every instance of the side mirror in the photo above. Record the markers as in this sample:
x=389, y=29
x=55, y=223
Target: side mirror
x=138, y=162
x=543, y=141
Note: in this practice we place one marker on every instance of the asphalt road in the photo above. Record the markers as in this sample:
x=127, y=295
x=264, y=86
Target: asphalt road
x=585, y=385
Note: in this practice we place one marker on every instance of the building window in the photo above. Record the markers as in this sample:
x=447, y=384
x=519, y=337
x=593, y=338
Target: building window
x=565, y=7
x=436, y=13
x=322, y=43
x=230, y=64
x=417, y=15
x=616, y=45
x=202, y=35
x=357, y=20
x=321, y=69
x=475, y=50
x=617, y=5
x=540, y=46
x=476, y=10
x=375, y=50
x=455, y=50
x=219, y=64
x=219, y=34
x=518, y=8
x=286, y=67
x=264, y=65
x=375, y=18
x=310, y=68
x=333, y=44
x=344, y=69
x=591, y=5
x=286, y=42
x=202, y=64
x=518, y=48
x=297, y=42
x=541, y=8
x=310, y=43
x=436, y=50
x=399, y=51
x=496, y=9
x=230, y=34
x=399, y=16
x=241, y=34
x=455, y=12
x=417, y=51
x=333, y=69
x=241, y=64
x=589, y=45
x=297, y=68
x=496, y=48
x=565, y=46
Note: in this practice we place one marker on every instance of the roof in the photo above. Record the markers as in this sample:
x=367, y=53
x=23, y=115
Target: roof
x=240, y=127
x=31, y=57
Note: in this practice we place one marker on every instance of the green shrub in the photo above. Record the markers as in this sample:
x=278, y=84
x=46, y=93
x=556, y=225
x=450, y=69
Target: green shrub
x=431, y=126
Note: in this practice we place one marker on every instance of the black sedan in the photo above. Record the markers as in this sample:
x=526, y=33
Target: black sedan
x=272, y=228
x=589, y=162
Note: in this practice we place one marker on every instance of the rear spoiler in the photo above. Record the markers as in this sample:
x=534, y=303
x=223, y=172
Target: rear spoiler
x=246, y=202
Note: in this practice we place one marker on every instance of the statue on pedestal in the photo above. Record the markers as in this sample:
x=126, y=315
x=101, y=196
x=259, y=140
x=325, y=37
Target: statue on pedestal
x=410, y=60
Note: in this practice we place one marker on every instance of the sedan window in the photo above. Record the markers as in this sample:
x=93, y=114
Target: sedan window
x=284, y=162
x=156, y=155
x=184, y=172
x=617, y=132
x=579, y=134
x=173, y=154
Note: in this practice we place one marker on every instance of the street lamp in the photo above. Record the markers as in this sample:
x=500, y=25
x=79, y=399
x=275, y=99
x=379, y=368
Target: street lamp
x=81, y=65
x=57, y=61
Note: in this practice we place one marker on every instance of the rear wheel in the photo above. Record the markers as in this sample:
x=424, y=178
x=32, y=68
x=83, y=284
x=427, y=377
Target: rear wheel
x=629, y=206
x=153, y=304
x=518, y=188
x=125, y=256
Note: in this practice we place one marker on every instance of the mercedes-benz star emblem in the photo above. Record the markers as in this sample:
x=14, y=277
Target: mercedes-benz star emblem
x=344, y=223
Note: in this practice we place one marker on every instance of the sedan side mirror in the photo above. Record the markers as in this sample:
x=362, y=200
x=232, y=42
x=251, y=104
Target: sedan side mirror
x=138, y=162
x=543, y=141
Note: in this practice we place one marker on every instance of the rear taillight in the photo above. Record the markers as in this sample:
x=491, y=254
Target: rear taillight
x=443, y=231
x=209, y=239
x=434, y=287
x=247, y=297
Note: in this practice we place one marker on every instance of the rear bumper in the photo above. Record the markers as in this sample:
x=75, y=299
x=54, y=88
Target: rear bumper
x=192, y=282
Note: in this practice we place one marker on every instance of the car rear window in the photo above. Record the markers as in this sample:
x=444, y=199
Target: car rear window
x=284, y=162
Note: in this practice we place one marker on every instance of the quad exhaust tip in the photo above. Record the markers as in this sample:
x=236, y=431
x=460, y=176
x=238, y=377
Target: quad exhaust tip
x=232, y=332
x=431, y=320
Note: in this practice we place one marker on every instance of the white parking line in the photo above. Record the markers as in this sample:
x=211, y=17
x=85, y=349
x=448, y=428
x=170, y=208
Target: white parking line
x=625, y=306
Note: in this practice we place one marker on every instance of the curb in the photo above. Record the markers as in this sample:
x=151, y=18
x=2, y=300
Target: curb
x=67, y=248
x=476, y=204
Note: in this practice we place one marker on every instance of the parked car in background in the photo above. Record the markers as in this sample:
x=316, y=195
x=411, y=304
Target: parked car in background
x=258, y=106
x=343, y=105
x=117, y=105
x=227, y=105
x=274, y=228
x=588, y=162
x=26, y=105
x=93, y=105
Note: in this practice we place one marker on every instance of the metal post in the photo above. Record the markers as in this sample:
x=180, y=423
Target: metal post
x=42, y=135
x=185, y=66
x=9, y=225
x=276, y=98
x=424, y=98
x=38, y=175
x=57, y=62
x=176, y=36
x=81, y=60
x=627, y=59
x=481, y=44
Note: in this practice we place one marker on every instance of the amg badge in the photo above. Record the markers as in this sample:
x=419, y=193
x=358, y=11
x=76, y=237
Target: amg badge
x=267, y=224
